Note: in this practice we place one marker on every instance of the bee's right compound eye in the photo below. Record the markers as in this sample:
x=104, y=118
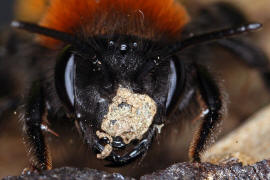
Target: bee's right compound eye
x=69, y=79
x=64, y=78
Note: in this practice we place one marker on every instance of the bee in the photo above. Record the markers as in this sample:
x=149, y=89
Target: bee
x=123, y=68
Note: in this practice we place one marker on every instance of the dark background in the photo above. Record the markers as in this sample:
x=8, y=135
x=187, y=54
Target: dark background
x=6, y=12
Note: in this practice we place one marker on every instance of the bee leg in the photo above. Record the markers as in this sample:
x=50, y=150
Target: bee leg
x=211, y=95
x=250, y=54
x=33, y=118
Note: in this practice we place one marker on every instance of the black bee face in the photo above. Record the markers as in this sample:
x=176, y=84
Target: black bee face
x=114, y=104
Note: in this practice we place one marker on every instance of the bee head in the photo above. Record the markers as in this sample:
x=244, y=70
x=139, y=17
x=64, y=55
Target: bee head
x=120, y=88
x=116, y=102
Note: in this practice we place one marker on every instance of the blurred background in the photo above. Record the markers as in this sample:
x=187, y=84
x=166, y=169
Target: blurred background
x=6, y=11
x=246, y=95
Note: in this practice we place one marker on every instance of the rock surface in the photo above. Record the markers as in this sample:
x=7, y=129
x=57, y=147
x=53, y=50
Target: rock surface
x=186, y=171
x=250, y=143
x=197, y=171
x=68, y=173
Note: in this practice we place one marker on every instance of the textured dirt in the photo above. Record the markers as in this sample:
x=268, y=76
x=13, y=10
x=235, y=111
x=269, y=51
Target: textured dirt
x=68, y=173
x=185, y=171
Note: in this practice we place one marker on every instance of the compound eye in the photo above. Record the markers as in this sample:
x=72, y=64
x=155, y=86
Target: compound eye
x=69, y=79
x=172, y=83
x=64, y=78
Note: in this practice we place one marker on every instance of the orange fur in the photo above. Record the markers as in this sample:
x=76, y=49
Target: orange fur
x=144, y=18
x=30, y=10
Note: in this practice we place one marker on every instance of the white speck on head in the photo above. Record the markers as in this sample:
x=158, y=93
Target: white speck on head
x=111, y=43
x=79, y=115
x=15, y=24
x=135, y=44
x=123, y=47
